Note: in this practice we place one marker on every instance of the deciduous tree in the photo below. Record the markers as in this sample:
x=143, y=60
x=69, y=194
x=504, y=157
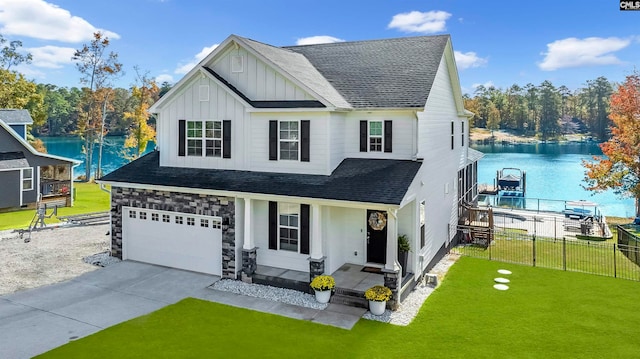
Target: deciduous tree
x=140, y=133
x=619, y=168
x=97, y=68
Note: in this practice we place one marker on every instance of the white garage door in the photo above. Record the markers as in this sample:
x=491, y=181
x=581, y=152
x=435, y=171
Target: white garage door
x=172, y=239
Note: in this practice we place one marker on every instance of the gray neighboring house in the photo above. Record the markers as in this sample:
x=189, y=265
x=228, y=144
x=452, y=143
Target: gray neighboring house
x=26, y=175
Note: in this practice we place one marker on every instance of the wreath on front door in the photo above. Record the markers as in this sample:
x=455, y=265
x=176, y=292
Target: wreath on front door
x=377, y=221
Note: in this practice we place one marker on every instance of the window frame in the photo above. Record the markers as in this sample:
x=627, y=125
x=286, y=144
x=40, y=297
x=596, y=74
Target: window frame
x=26, y=179
x=292, y=210
x=380, y=136
x=210, y=140
x=297, y=141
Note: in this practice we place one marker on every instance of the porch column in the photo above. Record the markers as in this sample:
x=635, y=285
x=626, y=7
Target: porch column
x=248, y=235
x=392, y=275
x=392, y=242
x=316, y=259
x=249, y=258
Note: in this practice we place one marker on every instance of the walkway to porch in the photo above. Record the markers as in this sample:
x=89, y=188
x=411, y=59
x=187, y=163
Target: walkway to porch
x=349, y=276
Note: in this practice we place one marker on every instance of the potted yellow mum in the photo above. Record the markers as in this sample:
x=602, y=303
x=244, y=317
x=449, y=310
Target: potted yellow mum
x=323, y=285
x=377, y=296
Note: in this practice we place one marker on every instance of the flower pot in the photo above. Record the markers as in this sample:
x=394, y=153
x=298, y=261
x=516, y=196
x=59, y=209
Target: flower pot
x=323, y=296
x=377, y=308
x=403, y=258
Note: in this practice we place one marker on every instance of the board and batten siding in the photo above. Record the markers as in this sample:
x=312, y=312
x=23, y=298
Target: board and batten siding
x=441, y=163
x=187, y=105
x=403, y=134
x=336, y=140
x=258, y=80
x=258, y=144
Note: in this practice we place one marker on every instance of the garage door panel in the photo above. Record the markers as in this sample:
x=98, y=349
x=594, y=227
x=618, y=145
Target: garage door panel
x=173, y=239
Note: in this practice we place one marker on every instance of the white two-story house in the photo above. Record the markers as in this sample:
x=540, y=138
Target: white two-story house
x=303, y=158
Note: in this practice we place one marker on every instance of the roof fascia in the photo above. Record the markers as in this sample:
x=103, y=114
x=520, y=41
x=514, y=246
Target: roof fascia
x=257, y=196
x=26, y=145
x=176, y=89
x=283, y=72
x=454, y=78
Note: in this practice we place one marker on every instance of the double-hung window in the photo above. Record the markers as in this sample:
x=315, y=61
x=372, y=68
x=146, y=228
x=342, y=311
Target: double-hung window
x=27, y=179
x=375, y=136
x=288, y=226
x=204, y=138
x=289, y=140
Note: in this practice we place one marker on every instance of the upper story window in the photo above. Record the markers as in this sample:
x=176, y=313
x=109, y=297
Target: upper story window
x=204, y=138
x=27, y=179
x=288, y=226
x=376, y=136
x=289, y=140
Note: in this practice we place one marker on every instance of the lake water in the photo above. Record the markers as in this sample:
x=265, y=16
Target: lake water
x=554, y=171
x=71, y=147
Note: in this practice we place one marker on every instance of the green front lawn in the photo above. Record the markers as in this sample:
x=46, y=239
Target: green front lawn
x=89, y=198
x=545, y=314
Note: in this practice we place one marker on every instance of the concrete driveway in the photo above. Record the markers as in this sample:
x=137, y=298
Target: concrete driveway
x=37, y=320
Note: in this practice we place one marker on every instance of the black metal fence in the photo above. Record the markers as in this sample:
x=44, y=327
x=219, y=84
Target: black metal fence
x=520, y=246
x=630, y=243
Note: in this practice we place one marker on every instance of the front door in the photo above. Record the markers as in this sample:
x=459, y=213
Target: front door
x=376, y=236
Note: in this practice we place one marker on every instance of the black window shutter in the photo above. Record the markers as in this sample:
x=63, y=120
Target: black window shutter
x=363, y=136
x=182, y=134
x=273, y=140
x=273, y=225
x=388, y=135
x=305, y=140
x=304, y=228
x=226, y=139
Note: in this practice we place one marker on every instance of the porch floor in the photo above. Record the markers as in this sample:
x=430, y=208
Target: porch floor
x=348, y=276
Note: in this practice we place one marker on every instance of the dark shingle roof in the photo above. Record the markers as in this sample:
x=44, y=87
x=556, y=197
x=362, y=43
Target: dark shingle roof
x=13, y=160
x=15, y=117
x=357, y=180
x=392, y=73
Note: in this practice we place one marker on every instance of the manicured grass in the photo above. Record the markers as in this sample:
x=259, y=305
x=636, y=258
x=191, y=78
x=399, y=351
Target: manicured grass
x=545, y=314
x=89, y=198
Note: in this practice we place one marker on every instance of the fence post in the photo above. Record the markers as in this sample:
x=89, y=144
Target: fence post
x=564, y=253
x=615, y=269
x=533, y=245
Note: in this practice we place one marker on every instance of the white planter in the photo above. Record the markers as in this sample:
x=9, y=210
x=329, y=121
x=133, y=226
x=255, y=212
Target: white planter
x=323, y=296
x=377, y=308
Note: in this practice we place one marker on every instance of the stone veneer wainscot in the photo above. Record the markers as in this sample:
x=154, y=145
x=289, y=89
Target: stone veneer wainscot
x=189, y=203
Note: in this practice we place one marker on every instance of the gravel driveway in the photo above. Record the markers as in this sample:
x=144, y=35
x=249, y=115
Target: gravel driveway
x=53, y=255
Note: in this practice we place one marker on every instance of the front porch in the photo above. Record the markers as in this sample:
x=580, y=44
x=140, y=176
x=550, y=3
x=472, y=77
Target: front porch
x=352, y=280
x=55, y=185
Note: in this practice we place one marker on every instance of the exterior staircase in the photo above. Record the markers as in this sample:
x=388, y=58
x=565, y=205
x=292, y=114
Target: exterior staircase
x=350, y=297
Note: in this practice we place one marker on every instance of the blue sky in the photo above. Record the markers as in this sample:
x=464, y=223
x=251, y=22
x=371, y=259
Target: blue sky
x=496, y=42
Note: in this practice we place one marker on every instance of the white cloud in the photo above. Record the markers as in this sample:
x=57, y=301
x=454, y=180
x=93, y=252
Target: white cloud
x=421, y=22
x=42, y=20
x=466, y=60
x=53, y=57
x=164, y=78
x=573, y=52
x=321, y=39
x=186, y=67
